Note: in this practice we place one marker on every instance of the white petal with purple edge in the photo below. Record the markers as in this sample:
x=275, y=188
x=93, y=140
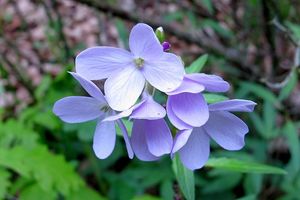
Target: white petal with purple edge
x=149, y=109
x=124, y=88
x=100, y=62
x=178, y=123
x=143, y=42
x=164, y=73
x=237, y=105
x=138, y=141
x=189, y=86
x=76, y=109
x=89, y=87
x=195, y=153
x=104, y=139
x=212, y=83
x=226, y=129
x=190, y=108
x=158, y=137
x=181, y=139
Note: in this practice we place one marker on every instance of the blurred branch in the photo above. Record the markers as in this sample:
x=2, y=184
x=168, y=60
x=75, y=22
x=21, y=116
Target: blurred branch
x=286, y=31
x=269, y=34
x=195, y=37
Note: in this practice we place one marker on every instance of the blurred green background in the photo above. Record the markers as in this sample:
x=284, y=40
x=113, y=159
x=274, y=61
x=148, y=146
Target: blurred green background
x=253, y=44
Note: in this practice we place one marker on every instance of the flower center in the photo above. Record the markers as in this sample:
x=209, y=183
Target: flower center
x=104, y=109
x=139, y=62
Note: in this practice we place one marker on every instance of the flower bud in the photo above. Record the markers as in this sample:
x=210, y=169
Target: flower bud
x=160, y=34
x=166, y=46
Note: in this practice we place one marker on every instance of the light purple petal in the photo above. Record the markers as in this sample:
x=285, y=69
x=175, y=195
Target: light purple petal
x=126, y=138
x=76, y=109
x=164, y=73
x=212, y=83
x=158, y=137
x=181, y=139
x=189, y=86
x=234, y=105
x=124, y=113
x=190, y=108
x=226, y=129
x=100, y=62
x=143, y=42
x=178, y=123
x=104, y=139
x=149, y=109
x=89, y=87
x=194, y=154
x=138, y=141
x=124, y=88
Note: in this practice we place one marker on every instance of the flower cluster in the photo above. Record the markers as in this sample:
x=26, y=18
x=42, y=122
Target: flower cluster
x=131, y=80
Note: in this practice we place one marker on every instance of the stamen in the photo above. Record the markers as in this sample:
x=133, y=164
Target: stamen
x=139, y=62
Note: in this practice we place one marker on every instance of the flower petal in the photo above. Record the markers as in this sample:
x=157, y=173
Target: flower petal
x=234, y=105
x=126, y=138
x=212, y=83
x=149, y=109
x=89, y=87
x=178, y=123
x=194, y=154
x=226, y=129
x=124, y=88
x=138, y=141
x=104, y=139
x=143, y=42
x=100, y=62
x=190, y=108
x=124, y=113
x=76, y=109
x=181, y=139
x=165, y=72
x=189, y=86
x=158, y=137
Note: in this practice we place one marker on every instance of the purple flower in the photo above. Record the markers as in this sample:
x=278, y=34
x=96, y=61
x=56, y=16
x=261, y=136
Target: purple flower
x=222, y=126
x=76, y=109
x=127, y=72
x=151, y=136
x=186, y=106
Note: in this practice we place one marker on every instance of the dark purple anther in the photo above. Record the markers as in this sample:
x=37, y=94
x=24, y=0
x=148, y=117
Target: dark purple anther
x=166, y=46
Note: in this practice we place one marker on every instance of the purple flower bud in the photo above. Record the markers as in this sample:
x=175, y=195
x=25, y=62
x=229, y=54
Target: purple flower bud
x=166, y=46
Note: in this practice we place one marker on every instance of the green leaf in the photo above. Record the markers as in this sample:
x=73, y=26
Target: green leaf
x=208, y=5
x=185, y=178
x=295, y=29
x=34, y=191
x=50, y=171
x=146, y=197
x=197, y=65
x=291, y=134
x=4, y=182
x=40, y=91
x=214, y=98
x=259, y=91
x=287, y=90
x=217, y=27
x=85, y=193
x=122, y=30
x=243, y=166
